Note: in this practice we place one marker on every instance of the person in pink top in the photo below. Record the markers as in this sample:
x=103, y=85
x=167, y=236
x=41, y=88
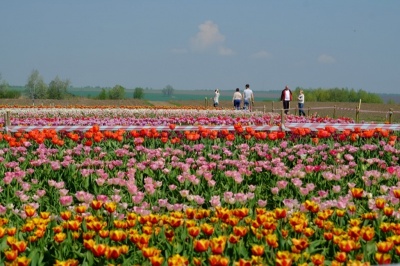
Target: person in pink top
x=286, y=98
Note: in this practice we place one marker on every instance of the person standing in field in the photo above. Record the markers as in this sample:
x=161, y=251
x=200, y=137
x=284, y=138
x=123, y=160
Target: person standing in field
x=301, y=103
x=286, y=97
x=237, y=99
x=216, y=98
x=248, y=98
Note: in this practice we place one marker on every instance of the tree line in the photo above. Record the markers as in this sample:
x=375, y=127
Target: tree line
x=338, y=95
x=36, y=88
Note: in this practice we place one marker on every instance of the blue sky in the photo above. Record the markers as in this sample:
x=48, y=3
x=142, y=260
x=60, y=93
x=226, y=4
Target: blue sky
x=204, y=44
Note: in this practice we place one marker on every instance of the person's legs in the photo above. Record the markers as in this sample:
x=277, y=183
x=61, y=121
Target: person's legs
x=246, y=105
x=301, y=112
x=286, y=106
x=236, y=104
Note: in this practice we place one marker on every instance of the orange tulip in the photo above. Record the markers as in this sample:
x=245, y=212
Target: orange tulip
x=388, y=211
x=384, y=246
x=156, y=261
x=218, y=244
x=383, y=258
x=80, y=208
x=11, y=231
x=21, y=261
x=29, y=210
x=233, y=239
x=11, y=255
x=396, y=192
x=257, y=250
x=272, y=240
x=60, y=237
x=201, y=245
x=341, y=257
x=73, y=225
x=283, y=258
x=44, y=215
x=308, y=232
x=104, y=233
x=356, y=192
x=112, y=252
x=240, y=231
x=301, y=243
x=20, y=246
x=346, y=245
x=367, y=233
x=117, y=235
x=328, y=236
x=99, y=250
x=194, y=231
x=380, y=203
x=150, y=252
x=280, y=213
x=110, y=206
x=318, y=259
x=177, y=260
x=65, y=215
x=207, y=229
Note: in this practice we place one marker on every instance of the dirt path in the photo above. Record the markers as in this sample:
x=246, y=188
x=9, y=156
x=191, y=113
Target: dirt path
x=160, y=103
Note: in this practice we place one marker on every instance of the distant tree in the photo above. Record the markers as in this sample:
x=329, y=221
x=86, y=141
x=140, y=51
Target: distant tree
x=168, y=90
x=117, y=93
x=138, y=93
x=36, y=88
x=103, y=94
x=58, y=88
x=3, y=87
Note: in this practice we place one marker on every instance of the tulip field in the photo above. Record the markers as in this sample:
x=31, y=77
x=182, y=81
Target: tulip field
x=137, y=186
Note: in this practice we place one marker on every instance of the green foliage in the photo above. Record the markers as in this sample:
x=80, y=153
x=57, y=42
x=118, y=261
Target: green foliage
x=138, y=93
x=117, y=93
x=5, y=91
x=168, y=90
x=339, y=95
x=36, y=88
x=391, y=101
x=58, y=88
x=103, y=94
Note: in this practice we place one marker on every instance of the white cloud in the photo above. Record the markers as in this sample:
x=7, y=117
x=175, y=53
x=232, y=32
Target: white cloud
x=326, y=59
x=225, y=51
x=209, y=37
x=261, y=54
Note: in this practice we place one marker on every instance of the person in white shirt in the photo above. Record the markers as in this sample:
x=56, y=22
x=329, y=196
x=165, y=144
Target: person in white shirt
x=286, y=97
x=301, y=103
x=248, y=98
x=216, y=98
x=237, y=99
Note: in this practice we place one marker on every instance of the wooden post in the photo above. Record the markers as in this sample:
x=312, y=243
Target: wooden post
x=205, y=102
x=334, y=111
x=264, y=109
x=5, y=119
x=282, y=120
x=8, y=123
x=273, y=110
x=358, y=112
x=308, y=112
x=390, y=115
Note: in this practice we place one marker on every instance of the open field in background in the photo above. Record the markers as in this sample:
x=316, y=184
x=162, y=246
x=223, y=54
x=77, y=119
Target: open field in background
x=369, y=111
x=157, y=95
